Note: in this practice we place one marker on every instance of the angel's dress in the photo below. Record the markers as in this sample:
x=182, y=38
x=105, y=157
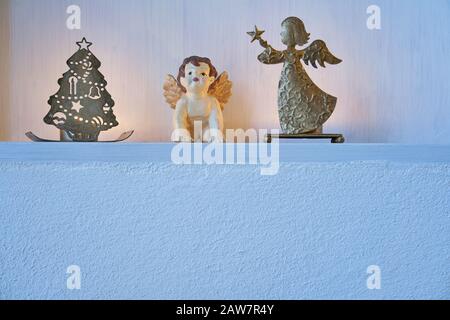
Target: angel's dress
x=302, y=106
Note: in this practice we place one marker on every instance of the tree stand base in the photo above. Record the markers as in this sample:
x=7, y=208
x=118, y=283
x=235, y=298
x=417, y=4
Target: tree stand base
x=335, y=138
x=124, y=136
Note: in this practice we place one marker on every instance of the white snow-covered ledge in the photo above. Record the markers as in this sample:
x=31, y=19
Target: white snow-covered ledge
x=156, y=152
x=139, y=226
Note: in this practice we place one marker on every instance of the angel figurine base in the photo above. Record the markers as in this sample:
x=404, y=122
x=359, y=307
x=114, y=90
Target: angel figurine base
x=334, y=138
x=314, y=135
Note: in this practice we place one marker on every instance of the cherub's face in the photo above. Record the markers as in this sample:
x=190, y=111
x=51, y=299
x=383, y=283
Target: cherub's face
x=197, y=79
x=287, y=36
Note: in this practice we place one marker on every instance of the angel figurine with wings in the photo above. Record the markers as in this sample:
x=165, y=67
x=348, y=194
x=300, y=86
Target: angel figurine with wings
x=198, y=96
x=302, y=106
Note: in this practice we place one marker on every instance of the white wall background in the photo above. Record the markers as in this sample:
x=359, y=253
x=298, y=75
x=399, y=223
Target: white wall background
x=392, y=87
x=4, y=68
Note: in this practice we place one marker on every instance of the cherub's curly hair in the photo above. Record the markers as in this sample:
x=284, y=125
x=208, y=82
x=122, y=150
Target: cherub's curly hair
x=300, y=35
x=196, y=62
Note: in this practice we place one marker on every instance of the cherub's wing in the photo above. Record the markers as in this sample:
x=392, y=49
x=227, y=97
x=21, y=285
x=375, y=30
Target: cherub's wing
x=172, y=91
x=318, y=52
x=221, y=89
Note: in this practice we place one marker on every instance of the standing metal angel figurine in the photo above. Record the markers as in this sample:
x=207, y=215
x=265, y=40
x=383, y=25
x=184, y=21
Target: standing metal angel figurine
x=303, y=107
x=198, y=95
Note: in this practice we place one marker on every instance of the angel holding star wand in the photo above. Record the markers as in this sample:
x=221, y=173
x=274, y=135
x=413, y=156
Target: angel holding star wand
x=302, y=106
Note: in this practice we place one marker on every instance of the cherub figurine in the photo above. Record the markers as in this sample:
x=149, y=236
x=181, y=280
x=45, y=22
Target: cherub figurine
x=198, y=95
x=303, y=107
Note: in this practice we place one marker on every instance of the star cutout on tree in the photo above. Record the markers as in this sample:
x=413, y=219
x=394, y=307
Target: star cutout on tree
x=83, y=44
x=256, y=35
x=76, y=106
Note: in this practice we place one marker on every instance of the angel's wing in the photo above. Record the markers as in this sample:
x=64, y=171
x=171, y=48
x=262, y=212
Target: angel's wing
x=221, y=89
x=172, y=91
x=318, y=52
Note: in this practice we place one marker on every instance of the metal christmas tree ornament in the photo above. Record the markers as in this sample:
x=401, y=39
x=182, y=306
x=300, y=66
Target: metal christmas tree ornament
x=82, y=107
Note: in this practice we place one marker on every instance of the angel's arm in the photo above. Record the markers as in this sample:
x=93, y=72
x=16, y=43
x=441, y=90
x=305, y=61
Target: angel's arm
x=270, y=55
x=318, y=52
x=180, y=115
x=180, y=122
x=216, y=121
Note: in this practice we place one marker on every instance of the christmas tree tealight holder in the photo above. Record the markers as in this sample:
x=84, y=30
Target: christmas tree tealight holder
x=82, y=107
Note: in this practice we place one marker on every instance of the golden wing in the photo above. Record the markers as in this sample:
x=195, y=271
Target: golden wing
x=318, y=52
x=172, y=91
x=221, y=89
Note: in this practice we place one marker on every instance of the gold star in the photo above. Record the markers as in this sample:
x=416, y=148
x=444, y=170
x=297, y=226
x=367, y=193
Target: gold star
x=256, y=35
